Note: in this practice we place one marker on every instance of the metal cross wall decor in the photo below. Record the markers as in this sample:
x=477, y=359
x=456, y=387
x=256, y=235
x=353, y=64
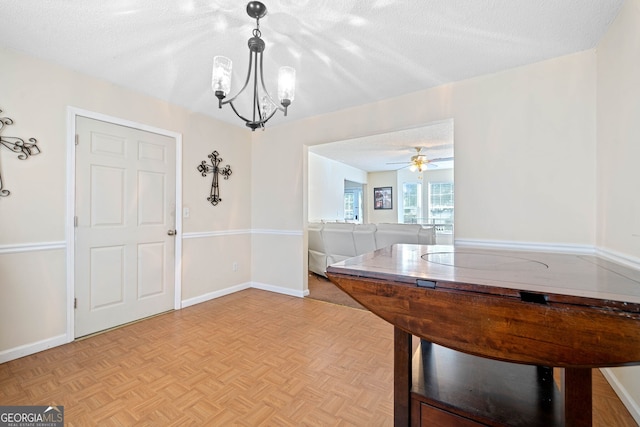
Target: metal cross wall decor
x=204, y=168
x=16, y=145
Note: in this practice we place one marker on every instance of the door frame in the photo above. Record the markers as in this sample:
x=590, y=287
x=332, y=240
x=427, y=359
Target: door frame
x=72, y=114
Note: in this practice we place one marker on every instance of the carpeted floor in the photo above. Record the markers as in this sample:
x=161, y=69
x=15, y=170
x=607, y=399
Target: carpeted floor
x=323, y=289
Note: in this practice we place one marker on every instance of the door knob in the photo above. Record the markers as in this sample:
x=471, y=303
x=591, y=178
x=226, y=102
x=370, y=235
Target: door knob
x=171, y=232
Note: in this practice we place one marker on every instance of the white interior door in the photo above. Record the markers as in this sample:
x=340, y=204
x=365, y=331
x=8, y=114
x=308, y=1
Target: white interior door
x=125, y=208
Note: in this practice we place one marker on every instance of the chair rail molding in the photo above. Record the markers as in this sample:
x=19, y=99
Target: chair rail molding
x=31, y=247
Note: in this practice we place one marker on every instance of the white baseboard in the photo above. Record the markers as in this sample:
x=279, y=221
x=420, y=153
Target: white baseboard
x=629, y=402
x=241, y=287
x=27, y=349
x=623, y=259
x=216, y=294
x=280, y=290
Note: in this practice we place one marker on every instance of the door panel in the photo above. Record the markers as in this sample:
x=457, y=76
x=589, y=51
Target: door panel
x=125, y=204
x=151, y=190
x=150, y=267
x=107, y=267
x=107, y=207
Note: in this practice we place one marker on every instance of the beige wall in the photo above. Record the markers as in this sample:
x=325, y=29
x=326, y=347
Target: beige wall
x=33, y=302
x=33, y=285
x=525, y=153
x=382, y=179
x=519, y=134
x=618, y=134
x=618, y=208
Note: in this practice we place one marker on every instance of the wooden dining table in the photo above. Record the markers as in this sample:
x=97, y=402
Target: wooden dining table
x=494, y=326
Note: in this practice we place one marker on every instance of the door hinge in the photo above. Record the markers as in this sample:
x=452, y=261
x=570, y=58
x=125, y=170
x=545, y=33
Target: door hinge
x=75, y=303
x=75, y=221
x=77, y=139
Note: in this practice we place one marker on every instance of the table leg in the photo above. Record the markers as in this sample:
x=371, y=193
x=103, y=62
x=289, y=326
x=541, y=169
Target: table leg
x=401, y=378
x=577, y=393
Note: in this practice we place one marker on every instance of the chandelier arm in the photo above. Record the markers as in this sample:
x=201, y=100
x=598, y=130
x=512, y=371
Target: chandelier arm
x=256, y=105
x=246, y=82
x=266, y=92
x=260, y=122
x=238, y=114
x=257, y=123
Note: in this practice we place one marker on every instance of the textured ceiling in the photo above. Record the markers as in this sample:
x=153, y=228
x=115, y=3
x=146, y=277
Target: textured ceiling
x=393, y=150
x=346, y=52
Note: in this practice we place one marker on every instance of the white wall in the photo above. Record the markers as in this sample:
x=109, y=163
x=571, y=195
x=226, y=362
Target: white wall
x=618, y=207
x=33, y=294
x=326, y=187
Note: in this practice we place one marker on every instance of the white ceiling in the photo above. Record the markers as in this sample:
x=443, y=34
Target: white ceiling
x=393, y=150
x=346, y=52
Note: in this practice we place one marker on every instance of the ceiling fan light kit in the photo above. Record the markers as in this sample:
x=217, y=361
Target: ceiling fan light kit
x=263, y=105
x=419, y=162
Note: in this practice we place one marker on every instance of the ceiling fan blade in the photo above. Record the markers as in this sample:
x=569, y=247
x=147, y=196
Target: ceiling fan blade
x=398, y=163
x=442, y=159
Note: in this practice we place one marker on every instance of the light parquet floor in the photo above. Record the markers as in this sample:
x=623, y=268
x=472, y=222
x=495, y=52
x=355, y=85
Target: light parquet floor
x=323, y=289
x=253, y=358
x=247, y=359
x=608, y=410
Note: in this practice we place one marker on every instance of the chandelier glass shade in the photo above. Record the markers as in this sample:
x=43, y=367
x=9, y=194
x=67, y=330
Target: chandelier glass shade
x=263, y=105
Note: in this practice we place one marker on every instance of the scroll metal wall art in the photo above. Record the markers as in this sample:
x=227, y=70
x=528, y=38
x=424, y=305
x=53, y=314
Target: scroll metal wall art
x=216, y=170
x=16, y=145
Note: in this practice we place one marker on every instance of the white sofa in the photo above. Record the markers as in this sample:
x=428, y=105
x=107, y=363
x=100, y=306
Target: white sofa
x=334, y=241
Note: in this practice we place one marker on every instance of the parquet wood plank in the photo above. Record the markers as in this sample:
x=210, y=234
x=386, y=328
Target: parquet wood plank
x=246, y=359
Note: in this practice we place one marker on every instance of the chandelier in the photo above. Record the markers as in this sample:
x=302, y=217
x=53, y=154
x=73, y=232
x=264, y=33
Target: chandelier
x=263, y=106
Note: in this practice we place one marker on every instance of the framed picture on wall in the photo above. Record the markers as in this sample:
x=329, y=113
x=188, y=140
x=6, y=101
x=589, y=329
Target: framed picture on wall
x=382, y=198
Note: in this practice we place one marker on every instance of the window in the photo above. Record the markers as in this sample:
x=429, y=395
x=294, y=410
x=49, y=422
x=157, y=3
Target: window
x=412, y=202
x=441, y=203
x=349, y=206
x=353, y=203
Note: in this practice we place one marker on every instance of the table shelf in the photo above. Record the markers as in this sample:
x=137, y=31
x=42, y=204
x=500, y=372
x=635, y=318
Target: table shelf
x=458, y=389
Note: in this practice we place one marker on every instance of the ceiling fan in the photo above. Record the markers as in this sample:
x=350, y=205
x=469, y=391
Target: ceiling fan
x=419, y=162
